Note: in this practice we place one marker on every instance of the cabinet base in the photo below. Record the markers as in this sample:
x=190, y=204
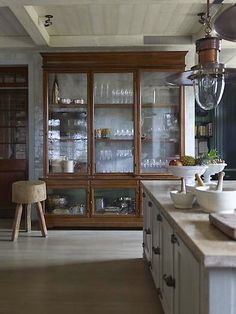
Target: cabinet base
x=54, y=221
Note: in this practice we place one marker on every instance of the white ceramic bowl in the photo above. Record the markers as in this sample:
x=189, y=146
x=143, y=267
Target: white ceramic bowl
x=216, y=201
x=211, y=170
x=192, y=188
x=182, y=200
x=187, y=172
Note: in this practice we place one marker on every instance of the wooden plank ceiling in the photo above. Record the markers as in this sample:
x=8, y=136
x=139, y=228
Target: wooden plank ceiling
x=103, y=23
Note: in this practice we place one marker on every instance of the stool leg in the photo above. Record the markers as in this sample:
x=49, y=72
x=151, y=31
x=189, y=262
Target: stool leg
x=42, y=222
x=28, y=218
x=16, y=224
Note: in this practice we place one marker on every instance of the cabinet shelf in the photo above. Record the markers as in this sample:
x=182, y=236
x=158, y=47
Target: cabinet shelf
x=14, y=143
x=149, y=105
x=12, y=126
x=161, y=140
x=68, y=108
x=67, y=139
x=113, y=106
x=114, y=139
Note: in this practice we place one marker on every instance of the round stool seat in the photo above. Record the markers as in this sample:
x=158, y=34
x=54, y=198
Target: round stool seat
x=28, y=192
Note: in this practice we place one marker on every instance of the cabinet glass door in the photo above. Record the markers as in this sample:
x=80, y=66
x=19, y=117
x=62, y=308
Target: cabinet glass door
x=113, y=122
x=114, y=201
x=67, y=124
x=66, y=202
x=160, y=121
x=13, y=124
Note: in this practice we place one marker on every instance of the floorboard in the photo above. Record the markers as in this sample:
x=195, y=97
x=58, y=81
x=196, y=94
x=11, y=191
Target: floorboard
x=75, y=271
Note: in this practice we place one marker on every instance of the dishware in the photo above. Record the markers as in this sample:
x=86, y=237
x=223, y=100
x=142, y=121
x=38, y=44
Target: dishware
x=212, y=200
x=211, y=170
x=187, y=172
x=182, y=199
x=68, y=166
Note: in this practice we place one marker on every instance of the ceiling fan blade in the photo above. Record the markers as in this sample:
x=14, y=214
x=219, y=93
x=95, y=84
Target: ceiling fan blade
x=225, y=24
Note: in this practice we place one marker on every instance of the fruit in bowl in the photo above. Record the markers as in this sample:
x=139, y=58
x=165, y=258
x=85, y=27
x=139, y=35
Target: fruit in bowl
x=183, y=161
x=187, y=169
x=214, y=162
x=175, y=162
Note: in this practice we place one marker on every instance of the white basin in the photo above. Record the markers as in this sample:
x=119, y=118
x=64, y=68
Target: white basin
x=192, y=188
x=187, y=172
x=216, y=201
x=211, y=170
x=182, y=200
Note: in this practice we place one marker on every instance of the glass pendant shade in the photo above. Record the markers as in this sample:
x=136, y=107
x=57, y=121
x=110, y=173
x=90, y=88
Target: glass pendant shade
x=208, y=90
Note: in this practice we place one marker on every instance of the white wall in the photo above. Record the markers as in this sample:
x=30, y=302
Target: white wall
x=190, y=109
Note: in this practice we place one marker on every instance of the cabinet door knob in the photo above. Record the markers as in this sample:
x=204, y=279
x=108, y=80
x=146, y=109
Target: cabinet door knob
x=144, y=195
x=159, y=217
x=156, y=250
x=147, y=230
x=174, y=239
x=170, y=282
x=150, y=204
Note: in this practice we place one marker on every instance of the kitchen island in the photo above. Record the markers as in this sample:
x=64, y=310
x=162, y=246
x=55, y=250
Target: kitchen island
x=193, y=264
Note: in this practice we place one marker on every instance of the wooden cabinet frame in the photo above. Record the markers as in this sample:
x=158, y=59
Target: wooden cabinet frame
x=108, y=62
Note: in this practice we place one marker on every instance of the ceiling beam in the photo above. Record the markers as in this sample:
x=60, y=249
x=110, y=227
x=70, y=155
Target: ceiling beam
x=16, y=42
x=29, y=19
x=118, y=40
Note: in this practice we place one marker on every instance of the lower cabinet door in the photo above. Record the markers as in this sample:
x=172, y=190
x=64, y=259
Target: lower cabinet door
x=147, y=210
x=187, y=288
x=167, y=283
x=156, y=246
x=66, y=202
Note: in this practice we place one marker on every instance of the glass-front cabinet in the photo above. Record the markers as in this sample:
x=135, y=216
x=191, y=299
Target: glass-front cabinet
x=113, y=122
x=110, y=121
x=67, y=201
x=160, y=122
x=114, y=201
x=67, y=123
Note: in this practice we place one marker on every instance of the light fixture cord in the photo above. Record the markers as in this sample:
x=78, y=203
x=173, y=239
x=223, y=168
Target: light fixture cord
x=208, y=28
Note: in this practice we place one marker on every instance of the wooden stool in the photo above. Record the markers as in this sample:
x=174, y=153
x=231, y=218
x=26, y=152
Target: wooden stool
x=28, y=192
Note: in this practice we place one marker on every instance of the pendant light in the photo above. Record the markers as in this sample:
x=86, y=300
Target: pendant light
x=208, y=76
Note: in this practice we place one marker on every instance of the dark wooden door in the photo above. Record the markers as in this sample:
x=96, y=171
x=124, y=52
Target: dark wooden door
x=13, y=133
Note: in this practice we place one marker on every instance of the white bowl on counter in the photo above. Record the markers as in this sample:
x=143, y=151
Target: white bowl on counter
x=192, y=188
x=211, y=170
x=187, y=172
x=182, y=200
x=213, y=201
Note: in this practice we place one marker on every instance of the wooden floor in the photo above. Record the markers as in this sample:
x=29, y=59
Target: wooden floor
x=86, y=272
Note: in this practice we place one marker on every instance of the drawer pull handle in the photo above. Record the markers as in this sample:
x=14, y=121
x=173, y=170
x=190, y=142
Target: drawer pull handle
x=156, y=250
x=170, y=282
x=147, y=231
x=174, y=239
